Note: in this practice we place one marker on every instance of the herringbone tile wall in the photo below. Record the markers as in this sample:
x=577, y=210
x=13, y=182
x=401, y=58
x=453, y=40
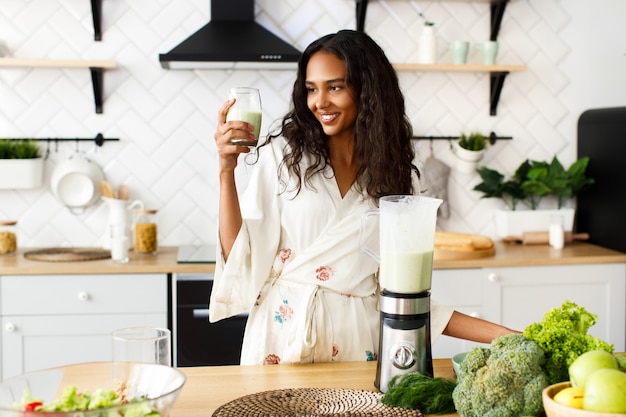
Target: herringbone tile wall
x=165, y=119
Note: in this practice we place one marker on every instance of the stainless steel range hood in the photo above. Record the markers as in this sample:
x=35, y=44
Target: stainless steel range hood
x=232, y=40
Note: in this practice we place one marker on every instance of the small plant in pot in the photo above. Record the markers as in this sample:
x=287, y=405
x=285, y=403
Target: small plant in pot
x=469, y=150
x=530, y=184
x=21, y=165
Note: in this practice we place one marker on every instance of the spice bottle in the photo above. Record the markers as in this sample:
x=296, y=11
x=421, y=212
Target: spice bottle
x=8, y=239
x=145, y=232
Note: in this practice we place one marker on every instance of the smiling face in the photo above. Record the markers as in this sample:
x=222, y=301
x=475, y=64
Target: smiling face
x=329, y=97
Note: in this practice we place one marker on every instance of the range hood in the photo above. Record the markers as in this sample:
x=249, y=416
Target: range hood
x=232, y=40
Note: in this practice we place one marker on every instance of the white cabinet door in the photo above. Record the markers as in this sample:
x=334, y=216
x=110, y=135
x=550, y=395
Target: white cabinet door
x=522, y=295
x=518, y=296
x=461, y=289
x=38, y=342
x=55, y=320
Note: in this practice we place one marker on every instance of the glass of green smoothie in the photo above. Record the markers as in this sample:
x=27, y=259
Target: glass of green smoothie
x=247, y=107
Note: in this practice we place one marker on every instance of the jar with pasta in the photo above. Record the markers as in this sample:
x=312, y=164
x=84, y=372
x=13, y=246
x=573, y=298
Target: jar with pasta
x=8, y=238
x=145, y=231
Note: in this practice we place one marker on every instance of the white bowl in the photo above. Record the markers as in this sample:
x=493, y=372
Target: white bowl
x=75, y=182
x=160, y=385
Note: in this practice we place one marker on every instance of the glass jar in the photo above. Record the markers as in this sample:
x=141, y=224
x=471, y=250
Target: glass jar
x=145, y=231
x=8, y=238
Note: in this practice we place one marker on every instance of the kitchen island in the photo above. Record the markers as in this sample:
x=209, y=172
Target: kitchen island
x=209, y=387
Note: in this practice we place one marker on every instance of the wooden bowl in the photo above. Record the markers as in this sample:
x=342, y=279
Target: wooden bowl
x=554, y=409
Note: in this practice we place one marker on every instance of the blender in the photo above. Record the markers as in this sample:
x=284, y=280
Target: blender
x=407, y=239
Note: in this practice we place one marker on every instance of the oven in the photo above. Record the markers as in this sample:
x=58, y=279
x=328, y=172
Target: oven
x=196, y=341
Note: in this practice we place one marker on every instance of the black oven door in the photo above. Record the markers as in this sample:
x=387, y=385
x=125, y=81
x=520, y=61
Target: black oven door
x=198, y=342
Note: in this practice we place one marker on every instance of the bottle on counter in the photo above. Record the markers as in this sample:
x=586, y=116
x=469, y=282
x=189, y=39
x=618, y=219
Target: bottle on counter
x=8, y=238
x=145, y=230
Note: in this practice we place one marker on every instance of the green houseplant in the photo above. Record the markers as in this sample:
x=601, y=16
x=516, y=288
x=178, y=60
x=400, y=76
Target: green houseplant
x=21, y=166
x=534, y=180
x=528, y=186
x=474, y=141
x=469, y=150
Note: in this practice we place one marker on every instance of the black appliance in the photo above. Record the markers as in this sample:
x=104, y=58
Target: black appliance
x=199, y=342
x=232, y=40
x=600, y=209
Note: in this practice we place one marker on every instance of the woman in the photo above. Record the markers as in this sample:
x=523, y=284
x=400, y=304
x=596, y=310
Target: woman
x=290, y=251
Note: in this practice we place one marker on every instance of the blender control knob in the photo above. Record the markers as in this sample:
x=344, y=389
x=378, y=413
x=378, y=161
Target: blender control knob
x=403, y=356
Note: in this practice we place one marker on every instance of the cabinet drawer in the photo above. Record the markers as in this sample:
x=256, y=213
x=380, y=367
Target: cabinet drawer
x=83, y=294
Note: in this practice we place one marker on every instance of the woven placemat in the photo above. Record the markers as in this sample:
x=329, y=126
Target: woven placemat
x=312, y=402
x=67, y=254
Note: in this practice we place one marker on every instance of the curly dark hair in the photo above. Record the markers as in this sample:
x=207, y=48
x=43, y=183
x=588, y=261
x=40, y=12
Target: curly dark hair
x=382, y=131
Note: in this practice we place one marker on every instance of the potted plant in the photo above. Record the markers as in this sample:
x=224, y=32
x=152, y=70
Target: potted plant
x=469, y=150
x=532, y=183
x=21, y=166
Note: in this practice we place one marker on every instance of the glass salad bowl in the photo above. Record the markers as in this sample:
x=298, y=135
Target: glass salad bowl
x=148, y=390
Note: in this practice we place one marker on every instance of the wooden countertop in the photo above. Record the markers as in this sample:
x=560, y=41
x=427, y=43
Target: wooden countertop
x=209, y=387
x=164, y=261
x=508, y=254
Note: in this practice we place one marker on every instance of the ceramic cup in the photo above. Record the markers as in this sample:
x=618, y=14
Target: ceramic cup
x=489, y=51
x=459, y=51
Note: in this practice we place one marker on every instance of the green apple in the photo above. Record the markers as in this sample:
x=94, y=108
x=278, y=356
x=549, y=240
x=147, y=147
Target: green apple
x=605, y=391
x=589, y=362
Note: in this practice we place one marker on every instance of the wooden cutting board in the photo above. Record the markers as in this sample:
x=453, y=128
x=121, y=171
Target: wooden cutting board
x=450, y=255
x=457, y=246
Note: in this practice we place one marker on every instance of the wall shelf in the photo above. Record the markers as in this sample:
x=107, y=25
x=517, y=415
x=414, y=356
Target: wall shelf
x=497, y=12
x=497, y=73
x=96, y=68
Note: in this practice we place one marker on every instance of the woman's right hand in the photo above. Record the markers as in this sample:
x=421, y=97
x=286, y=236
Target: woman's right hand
x=225, y=133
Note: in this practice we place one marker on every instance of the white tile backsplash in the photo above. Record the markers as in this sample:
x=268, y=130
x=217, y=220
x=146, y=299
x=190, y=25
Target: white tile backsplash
x=165, y=119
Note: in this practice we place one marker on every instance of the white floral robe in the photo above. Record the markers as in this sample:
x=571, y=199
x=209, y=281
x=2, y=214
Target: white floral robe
x=298, y=269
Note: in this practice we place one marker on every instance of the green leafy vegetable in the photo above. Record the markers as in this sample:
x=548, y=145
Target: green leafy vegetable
x=562, y=335
x=73, y=400
x=430, y=395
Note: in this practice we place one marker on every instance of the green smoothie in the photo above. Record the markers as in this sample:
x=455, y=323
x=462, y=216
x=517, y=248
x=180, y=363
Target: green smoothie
x=406, y=272
x=249, y=116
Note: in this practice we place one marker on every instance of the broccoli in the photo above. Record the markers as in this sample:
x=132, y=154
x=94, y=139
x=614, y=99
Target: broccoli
x=562, y=335
x=504, y=380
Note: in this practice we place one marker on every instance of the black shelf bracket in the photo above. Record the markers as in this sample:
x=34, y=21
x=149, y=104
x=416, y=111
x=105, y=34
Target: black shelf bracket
x=497, y=12
x=96, y=14
x=97, y=83
x=496, y=81
x=361, y=11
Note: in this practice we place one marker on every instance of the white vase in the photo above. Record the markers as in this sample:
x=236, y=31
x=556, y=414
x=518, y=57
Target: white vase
x=466, y=160
x=21, y=173
x=516, y=222
x=427, y=46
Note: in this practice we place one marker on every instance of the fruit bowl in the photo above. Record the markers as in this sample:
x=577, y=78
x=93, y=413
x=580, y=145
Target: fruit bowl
x=554, y=409
x=158, y=384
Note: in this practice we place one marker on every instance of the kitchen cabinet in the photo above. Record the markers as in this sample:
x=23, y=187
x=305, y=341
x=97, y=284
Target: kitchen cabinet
x=497, y=73
x=519, y=296
x=52, y=320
